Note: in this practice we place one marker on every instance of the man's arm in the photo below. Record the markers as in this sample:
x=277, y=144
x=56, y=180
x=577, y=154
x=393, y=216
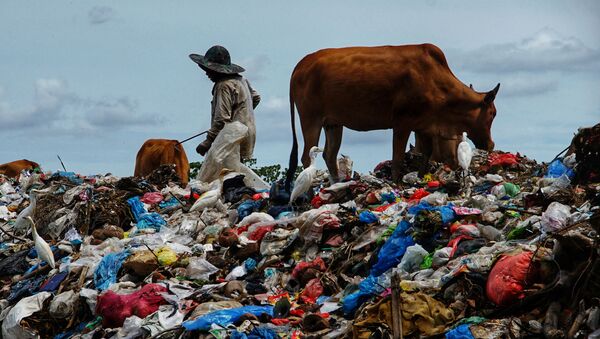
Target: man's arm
x=223, y=111
x=255, y=95
x=221, y=115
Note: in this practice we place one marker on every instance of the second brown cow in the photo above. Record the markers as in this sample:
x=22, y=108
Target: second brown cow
x=156, y=152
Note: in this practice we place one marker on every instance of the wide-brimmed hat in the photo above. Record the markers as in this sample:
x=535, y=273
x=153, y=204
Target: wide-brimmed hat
x=217, y=59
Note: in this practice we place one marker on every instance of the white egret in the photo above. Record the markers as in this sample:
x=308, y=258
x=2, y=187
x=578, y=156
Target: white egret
x=41, y=246
x=464, y=154
x=211, y=197
x=20, y=225
x=306, y=177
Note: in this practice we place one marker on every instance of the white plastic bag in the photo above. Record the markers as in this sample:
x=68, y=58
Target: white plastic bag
x=200, y=268
x=555, y=217
x=412, y=259
x=225, y=153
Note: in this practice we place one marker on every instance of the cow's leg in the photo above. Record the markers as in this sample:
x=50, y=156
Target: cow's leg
x=401, y=135
x=311, y=130
x=333, y=140
x=423, y=144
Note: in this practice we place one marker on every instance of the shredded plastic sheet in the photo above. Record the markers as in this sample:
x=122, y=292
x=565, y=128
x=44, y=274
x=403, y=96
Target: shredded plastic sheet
x=225, y=317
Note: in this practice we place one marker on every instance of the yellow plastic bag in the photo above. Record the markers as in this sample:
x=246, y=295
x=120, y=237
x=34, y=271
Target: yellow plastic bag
x=166, y=256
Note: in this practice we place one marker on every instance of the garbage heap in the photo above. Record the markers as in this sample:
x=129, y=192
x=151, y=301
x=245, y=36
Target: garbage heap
x=509, y=250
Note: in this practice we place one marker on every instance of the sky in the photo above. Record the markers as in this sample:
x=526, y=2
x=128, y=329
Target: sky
x=92, y=80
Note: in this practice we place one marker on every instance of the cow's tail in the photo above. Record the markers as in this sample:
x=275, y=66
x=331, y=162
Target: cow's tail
x=293, y=165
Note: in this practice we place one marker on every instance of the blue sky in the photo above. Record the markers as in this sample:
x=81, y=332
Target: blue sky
x=91, y=81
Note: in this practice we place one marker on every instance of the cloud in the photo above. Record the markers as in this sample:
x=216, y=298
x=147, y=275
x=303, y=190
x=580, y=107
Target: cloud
x=49, y=99
x=527, y=86
x=255, y=66
x=101, y=14
x=546, y=50
x=56, y=107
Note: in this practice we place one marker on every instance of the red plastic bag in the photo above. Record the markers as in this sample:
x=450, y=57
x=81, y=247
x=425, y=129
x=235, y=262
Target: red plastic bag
x=508, y=278
x=260, y=232
x=418, y=195
x=312, y=291
x=503, y=159
x=115, y=308
x=318, y=264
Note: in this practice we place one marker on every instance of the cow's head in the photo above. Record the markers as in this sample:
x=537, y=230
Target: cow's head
x=481, y=131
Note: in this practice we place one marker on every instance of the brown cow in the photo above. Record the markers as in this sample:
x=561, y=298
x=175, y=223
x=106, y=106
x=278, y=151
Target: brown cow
x=14, y=168
x=406, y=88
x=156, y=152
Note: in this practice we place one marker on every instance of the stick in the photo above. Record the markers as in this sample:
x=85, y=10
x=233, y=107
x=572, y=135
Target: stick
x=151, y=251
x=61, y=163
x=396, y=307
x=12, y=235
x=190, y=138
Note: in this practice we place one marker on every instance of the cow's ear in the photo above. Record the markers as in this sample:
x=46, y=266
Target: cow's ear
x=491, y=95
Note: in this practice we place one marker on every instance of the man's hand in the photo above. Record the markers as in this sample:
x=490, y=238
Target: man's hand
x=203, y=147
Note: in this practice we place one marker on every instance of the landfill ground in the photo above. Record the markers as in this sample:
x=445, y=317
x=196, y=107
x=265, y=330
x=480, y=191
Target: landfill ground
x=509, y=250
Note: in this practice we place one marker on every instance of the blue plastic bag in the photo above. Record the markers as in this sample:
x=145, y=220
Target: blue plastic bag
x=142, y=217
x=556, y=169
x=257, y=333
x=367, y=217
x=392, y=251
x=225, y=317
x=446, y=212
x=106, y=272
x=69, y=175
x=460, y=332
x=247, y=207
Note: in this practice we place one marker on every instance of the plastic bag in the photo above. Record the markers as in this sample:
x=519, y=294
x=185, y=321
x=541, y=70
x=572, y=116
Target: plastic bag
x=106, y=272
x=115, y=308
x=555, y=217
x=166, y=256
x=460, y=332
x=225, y=317
x=152, y=198
x=200, y=268
x=142, y=217
x=367, y=217
x=556, y=169
x=392, y=251
x=413, y=258
x=11, y=325
x=506, y=281
x=225, y=153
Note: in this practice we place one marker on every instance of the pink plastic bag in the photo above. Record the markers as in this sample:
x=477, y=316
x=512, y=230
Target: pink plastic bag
x=152, y=198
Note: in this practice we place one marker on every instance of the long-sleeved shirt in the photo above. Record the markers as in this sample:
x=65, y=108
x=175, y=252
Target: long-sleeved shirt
x=234, y=100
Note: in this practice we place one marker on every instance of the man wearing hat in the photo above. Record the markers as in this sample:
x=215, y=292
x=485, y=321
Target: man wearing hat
x=233, y=98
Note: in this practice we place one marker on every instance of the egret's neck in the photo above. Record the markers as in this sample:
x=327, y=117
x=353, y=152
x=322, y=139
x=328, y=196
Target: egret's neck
x=313, y=156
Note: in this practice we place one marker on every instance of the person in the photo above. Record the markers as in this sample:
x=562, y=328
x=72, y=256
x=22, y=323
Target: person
x=233, y=98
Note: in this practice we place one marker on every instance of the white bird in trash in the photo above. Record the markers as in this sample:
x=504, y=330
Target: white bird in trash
x=306, y=177
x=41, y=246
x=464, y=154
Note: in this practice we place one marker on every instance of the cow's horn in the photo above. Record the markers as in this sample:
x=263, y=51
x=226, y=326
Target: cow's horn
x=491, y=95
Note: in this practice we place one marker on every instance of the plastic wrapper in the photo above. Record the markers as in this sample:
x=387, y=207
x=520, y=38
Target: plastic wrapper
x=392, y=251
x=412, y=259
